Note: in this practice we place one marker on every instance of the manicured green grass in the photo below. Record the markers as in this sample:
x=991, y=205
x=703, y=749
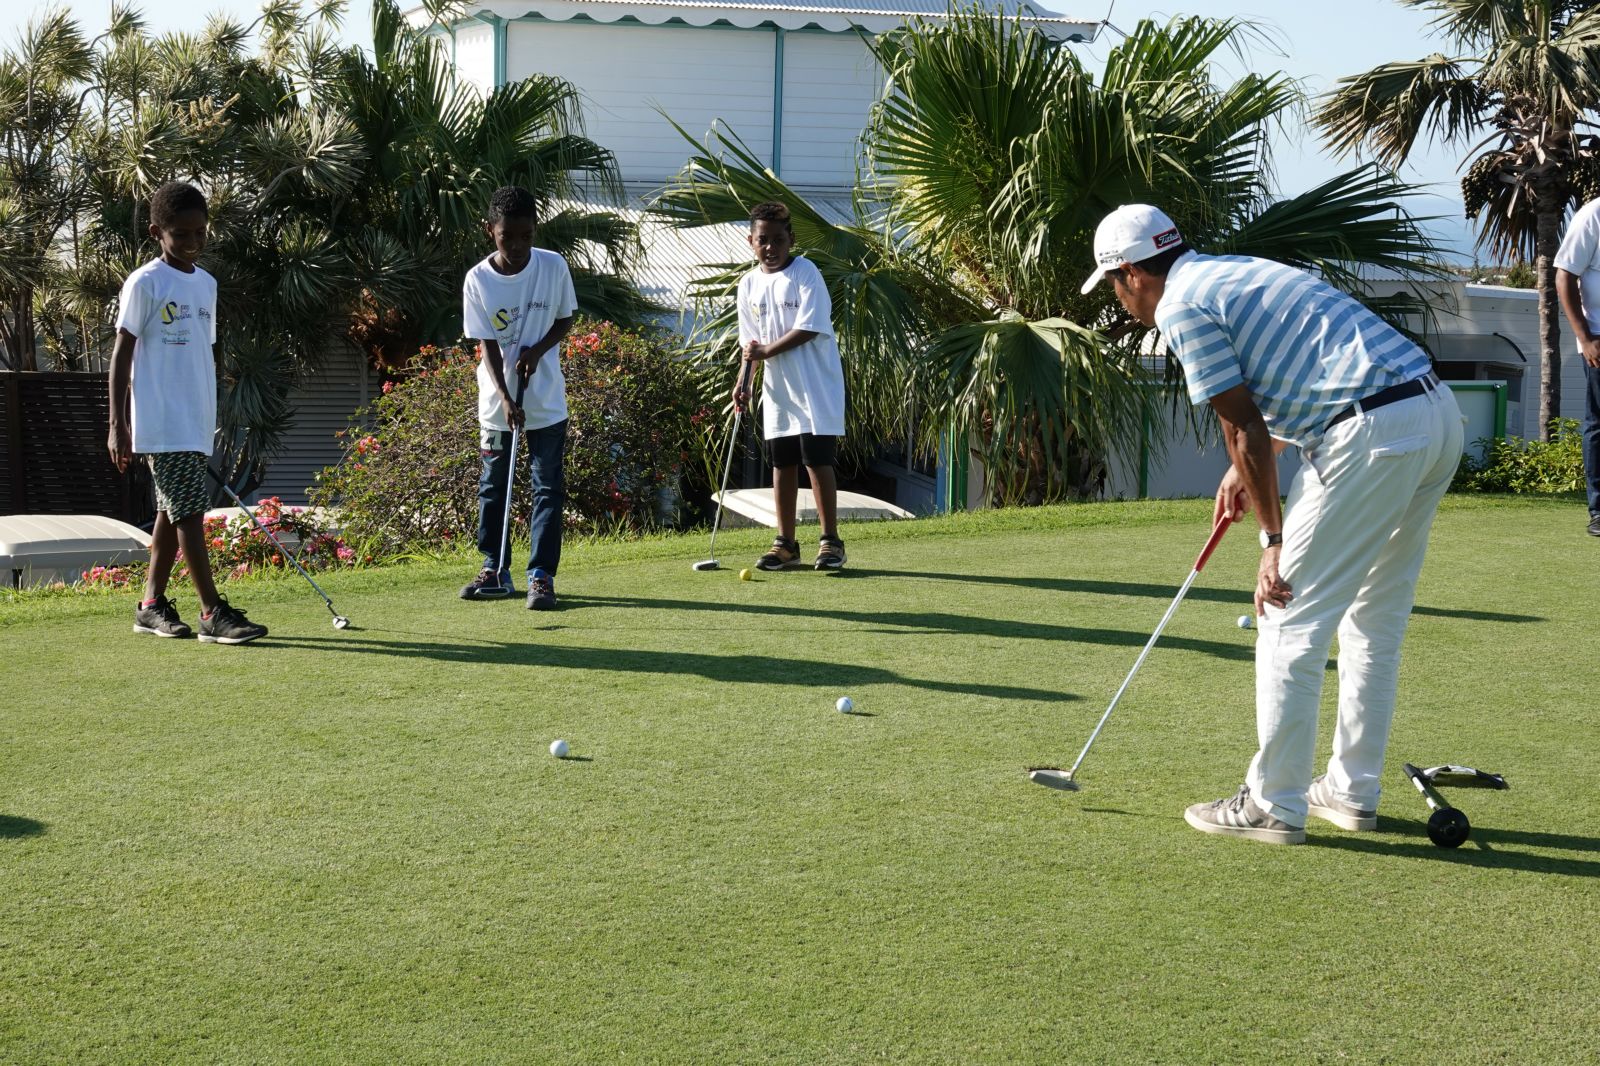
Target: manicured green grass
x=354, y=847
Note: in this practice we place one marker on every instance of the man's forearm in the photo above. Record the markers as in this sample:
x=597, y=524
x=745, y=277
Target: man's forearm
x=1569, y=291
x=1254, y=456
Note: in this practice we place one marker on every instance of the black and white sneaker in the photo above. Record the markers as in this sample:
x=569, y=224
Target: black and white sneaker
x=1594, y=525
x=541, y=591
x=1330, y=808
x=228, y=625
x=160, y=619
x=830, y=554
x=489, y=585
x=1237, y=816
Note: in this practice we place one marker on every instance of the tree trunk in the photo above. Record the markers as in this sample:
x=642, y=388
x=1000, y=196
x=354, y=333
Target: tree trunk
x=1547, y=239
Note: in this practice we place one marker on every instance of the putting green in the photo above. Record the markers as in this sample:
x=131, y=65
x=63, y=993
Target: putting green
x=355, y=846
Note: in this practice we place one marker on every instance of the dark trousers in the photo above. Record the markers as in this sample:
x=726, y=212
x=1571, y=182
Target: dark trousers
x=545, y=449
x=1591, y=438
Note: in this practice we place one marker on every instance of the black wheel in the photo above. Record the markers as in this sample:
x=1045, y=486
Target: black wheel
x=1448, y=828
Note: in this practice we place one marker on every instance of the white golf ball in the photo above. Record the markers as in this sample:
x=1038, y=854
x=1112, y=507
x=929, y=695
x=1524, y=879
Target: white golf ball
x=845, y=705
x=1246, y=622
x=559, y=749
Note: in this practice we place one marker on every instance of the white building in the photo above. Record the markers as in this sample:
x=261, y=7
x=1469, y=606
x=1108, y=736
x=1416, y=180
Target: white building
x=793, y=78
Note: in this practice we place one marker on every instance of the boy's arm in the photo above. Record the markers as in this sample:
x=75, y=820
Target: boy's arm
x=119, y=438
x=528, y=360
x=756, y=351
x=489, y=352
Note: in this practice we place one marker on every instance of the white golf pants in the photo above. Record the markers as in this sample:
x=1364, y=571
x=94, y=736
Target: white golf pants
x=1354, y=535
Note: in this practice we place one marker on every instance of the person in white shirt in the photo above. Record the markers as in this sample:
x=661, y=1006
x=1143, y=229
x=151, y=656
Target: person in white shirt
x=164, y=408
x=1578, y=288
x=518, y=304
x=786, y=327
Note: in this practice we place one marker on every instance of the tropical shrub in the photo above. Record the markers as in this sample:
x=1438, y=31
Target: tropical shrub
x=633, y=429
x=1529, y=467
x=991, y=157
x=409, y=477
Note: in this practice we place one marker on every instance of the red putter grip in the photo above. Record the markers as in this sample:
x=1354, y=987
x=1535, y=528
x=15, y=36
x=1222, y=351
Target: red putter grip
x=1211, y=545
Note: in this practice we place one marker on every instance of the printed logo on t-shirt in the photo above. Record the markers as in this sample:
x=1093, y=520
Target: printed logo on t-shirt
x=173, y=314
x=504, y=317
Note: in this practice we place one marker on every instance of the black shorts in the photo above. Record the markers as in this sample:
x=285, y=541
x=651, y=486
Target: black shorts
x=807, y=448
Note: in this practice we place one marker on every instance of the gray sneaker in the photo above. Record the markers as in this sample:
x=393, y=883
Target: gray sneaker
x=1236, y=816
x=541, y=591
x=161, y=619
x=1330, y=808
x=228, y=625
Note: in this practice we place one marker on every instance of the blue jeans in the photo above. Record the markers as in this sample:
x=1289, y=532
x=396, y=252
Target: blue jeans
x=1591, y=438
x=545, y=449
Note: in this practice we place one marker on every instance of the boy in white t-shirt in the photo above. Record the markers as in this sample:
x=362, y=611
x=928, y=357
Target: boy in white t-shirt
x=518, y=304
x=164, y=408
x=786, y=327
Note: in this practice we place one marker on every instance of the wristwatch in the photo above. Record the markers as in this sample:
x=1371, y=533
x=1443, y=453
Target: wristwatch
x=1271, y=540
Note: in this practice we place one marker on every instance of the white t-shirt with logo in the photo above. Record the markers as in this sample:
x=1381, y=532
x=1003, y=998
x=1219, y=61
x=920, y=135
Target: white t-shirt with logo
x=802, y=389
x=173, y=316
x=1580, y=254
x=517, y=310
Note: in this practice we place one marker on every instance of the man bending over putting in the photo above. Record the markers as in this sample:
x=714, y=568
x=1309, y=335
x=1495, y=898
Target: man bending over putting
x=1286, y=360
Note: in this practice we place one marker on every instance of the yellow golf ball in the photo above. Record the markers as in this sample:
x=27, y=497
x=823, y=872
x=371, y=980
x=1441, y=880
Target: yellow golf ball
x=745, y=574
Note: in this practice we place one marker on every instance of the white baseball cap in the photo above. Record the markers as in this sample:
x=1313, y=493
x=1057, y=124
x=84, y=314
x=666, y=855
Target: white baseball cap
x=1130, y=234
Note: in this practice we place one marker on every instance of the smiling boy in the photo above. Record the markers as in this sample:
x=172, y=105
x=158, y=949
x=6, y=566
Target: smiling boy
x=786, y=327
x=164, y=409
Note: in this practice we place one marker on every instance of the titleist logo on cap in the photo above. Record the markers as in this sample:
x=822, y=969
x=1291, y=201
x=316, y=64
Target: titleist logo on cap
x=1167, y=239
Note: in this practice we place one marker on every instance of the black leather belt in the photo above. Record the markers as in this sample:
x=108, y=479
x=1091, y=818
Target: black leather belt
x=1393, y=394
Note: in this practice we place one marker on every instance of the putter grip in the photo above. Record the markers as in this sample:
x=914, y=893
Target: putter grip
x=1211, y=545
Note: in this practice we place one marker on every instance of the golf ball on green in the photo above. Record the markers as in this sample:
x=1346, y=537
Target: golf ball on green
x=1246, y=622
x=845, y=705
x=745, y=575
x=559, y=749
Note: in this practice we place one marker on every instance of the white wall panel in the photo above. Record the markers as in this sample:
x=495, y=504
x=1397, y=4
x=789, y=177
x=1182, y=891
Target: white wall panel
x=474, y=51
x=829, y=84
x=696, y=75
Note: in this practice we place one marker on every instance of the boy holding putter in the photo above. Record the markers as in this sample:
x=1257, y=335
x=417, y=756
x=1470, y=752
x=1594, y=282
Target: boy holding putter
x=164, y=409
x=518, y=304
x=786, y=327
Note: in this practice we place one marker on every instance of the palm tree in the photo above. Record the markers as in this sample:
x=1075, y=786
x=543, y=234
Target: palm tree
x=345, y=191
x=992, y=157
x=433, y=152
x=39, y=114
x=1524, y=76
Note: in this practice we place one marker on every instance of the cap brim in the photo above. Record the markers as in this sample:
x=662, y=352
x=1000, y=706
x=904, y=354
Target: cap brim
x=1094, y=279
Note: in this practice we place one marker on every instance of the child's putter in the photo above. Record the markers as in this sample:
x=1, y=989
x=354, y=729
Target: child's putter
x=727, y=467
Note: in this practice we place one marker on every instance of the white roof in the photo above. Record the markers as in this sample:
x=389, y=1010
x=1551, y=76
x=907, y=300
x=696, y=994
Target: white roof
x=874, y=16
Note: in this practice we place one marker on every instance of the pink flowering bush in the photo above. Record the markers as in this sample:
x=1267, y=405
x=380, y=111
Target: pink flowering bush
x=238, y=547
x=409, y=477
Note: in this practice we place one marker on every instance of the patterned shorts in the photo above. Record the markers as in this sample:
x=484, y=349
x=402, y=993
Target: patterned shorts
x=180, y=479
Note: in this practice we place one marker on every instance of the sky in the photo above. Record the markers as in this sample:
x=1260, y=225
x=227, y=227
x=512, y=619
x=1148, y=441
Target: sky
x=1315, y=42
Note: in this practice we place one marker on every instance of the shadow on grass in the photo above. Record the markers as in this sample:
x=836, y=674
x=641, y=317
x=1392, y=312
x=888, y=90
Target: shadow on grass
x=12, y=825
x=1238, y=597
x=933, y=622
x=1484, y=848
x=731, y=669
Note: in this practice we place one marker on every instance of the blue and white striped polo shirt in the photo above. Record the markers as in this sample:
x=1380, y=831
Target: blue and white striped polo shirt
x=1305, y=350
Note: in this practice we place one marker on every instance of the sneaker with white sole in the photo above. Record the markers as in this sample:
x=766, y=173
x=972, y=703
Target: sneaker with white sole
x=161, y=619
x=490, y=584
x=226, y=624
x=1330, y=808
x=1236, y=816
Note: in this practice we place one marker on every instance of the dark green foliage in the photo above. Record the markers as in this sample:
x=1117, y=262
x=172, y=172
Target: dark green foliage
x=410, y=482
x=1531, y=467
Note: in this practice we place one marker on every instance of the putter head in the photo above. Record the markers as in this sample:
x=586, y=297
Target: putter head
x=708, y=564
x=341, y=622
x=1052, y=777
